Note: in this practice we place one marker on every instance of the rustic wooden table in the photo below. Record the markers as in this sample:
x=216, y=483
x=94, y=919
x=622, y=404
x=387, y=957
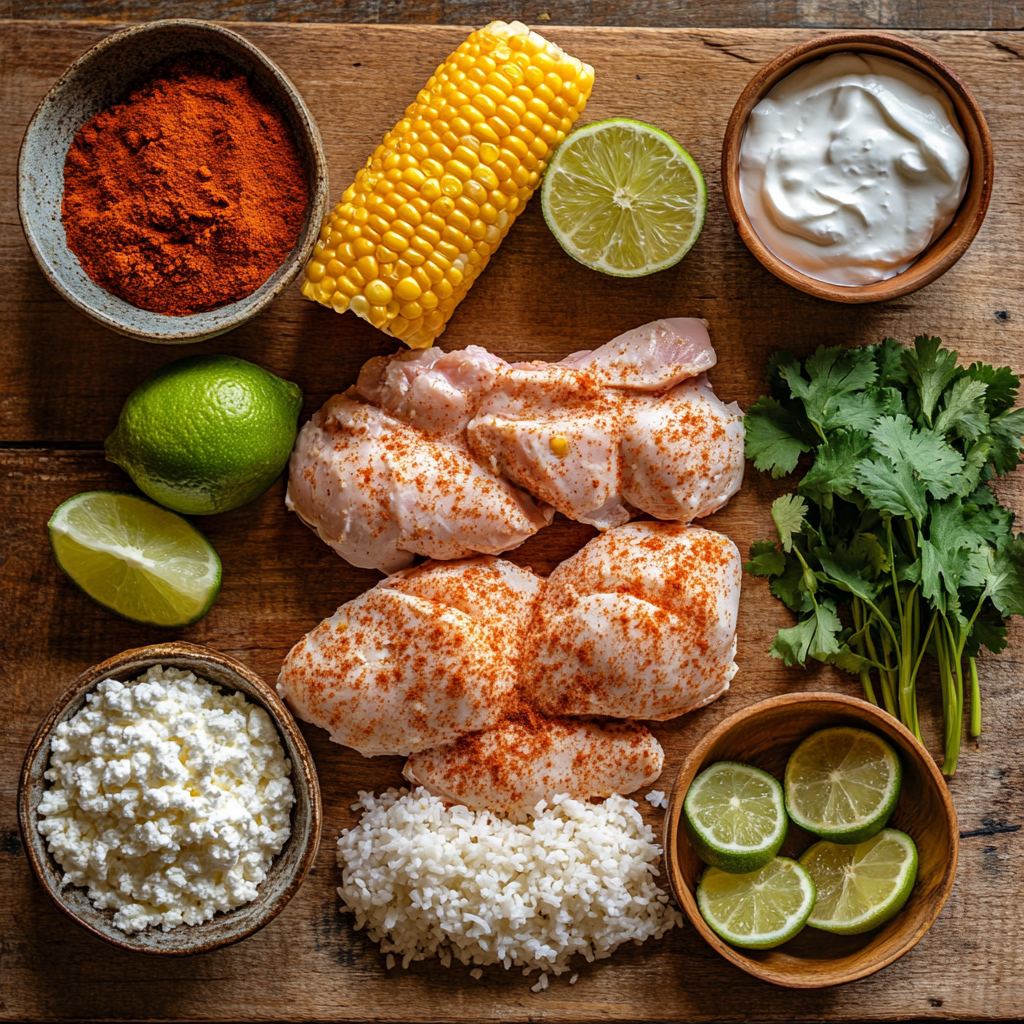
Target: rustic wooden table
x=64, y=380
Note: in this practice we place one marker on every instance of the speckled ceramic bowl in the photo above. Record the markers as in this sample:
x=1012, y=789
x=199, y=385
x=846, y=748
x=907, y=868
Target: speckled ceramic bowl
x=102, y=76
x=286, y=872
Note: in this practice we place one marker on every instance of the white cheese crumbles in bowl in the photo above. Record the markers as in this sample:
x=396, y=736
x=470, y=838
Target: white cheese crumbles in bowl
x=168, y=799
x=426, y=881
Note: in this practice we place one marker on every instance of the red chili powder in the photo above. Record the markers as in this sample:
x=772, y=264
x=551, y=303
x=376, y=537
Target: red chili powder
x=189, y=194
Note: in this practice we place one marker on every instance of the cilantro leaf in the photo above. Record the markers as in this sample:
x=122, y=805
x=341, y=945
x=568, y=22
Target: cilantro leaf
x=834, y=376
x=845, y=579
x=934, y=462
x=945, y=554
x=1001, y=386
x=1006, y=431
x=1005, y=586
x=866, y=549
x=790, y=587
x=888, y=357
x=931, y=368
x=893, y=489
x=775, y=437
x=789, y=513
x=963, y=412
x=765, y=559
x=835, y=467
x=814, y=637
x=989, y=631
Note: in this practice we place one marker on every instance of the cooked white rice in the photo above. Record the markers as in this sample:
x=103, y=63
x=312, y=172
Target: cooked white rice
x=428, y=880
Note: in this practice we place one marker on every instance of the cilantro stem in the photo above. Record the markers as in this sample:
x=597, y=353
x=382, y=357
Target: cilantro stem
x=865, y=674
x=975, y=699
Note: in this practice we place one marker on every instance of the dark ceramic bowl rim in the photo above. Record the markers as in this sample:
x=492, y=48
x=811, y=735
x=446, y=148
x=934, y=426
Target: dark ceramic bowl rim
x=231, y=315
x=304, y=779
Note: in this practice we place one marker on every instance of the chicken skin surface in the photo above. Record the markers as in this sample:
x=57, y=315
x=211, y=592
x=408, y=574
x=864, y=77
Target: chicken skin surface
x=450, y=454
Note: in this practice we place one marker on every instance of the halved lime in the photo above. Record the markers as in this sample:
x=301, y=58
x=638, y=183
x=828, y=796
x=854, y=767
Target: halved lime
x=760, y=909
x=735, y=816
x=842, y=784
x=861, y=887
x=624, y=198
x=135, y=558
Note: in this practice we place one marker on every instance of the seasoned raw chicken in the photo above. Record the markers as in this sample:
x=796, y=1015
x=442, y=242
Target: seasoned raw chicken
x=423, y=658
x=380, y=491
x=641, y=623
x=527, y=758
x=427, y=454
x=604, y=434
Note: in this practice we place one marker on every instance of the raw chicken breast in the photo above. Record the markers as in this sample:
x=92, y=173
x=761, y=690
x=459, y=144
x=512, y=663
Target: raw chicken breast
x=527, y=758
x=641, y=623
x=428, y=388
x=592, y=437
x=682, y=456
x=653, y=357
x=423, y=658
x=380, y=491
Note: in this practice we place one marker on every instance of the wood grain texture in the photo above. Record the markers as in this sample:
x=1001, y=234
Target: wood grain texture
x=928, y=14
x=64, y=380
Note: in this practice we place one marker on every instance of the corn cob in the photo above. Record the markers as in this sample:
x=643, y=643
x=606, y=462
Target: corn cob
x=421, y=220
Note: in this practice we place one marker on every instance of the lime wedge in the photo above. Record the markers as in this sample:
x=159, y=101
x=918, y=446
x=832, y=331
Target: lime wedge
x=760, y=909
x=735, y=816
x=135, y=558
x=861, y=887
x=842, y=784
x=624, y=198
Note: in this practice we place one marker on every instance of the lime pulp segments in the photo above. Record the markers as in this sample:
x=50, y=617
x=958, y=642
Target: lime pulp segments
x=760, y=909
x=735, y=816
x=862, y=886
x=842, y=784
x=624, y=198
x=135, y=558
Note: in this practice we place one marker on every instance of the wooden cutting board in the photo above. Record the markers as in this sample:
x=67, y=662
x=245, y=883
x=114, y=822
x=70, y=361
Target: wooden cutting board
x=64, y=380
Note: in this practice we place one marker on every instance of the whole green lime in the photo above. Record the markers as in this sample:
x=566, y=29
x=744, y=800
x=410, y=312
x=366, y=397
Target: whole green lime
x=206, y=433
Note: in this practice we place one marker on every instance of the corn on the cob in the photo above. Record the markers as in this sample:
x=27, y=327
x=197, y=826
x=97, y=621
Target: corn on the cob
x=421, y=220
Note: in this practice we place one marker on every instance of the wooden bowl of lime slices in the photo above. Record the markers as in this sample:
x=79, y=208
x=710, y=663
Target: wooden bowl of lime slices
x=765, y=735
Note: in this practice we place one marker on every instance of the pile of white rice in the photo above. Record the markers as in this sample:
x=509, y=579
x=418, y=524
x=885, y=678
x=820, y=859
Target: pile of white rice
x=429, y=880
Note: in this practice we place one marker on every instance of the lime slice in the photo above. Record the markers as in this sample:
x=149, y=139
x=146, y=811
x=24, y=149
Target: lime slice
x=760, y=909
x=842, y=784
x=135, y=558
x=735, y=816
x=861, y=887
x=624, y=198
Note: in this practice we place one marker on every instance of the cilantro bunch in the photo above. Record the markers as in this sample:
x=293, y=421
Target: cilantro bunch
x=893, y=545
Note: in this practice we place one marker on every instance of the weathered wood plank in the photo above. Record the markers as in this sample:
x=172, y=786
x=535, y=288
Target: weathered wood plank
x=833, y=14
x=65, y=379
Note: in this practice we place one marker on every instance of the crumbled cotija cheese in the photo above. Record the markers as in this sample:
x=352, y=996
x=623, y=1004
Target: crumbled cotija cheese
x=169, y=801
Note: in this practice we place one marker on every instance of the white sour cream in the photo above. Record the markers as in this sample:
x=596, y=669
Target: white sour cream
x=851, y=166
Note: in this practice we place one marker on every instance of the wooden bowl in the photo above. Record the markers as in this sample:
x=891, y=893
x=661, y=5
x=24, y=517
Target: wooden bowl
x=101, y=77
x=764, y=735
x=949, y=246
x=289, y=867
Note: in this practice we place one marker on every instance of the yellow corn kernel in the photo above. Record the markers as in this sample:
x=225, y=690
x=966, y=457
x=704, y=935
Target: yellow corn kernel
x=559, y=446
x=435, y=199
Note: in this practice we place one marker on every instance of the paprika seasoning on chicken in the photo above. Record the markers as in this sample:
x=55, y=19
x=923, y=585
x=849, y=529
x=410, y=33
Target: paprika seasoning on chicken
x=187, y=195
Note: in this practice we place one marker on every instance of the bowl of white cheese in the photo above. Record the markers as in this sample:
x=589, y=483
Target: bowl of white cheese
x=857, y=167
x=169, y=803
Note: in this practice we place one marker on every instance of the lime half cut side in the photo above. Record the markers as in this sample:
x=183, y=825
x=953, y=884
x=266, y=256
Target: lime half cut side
x=842, y=784
x=735, y=816
x=862, y=886
x=760, y=909
x=624, y=198
x=135, y=558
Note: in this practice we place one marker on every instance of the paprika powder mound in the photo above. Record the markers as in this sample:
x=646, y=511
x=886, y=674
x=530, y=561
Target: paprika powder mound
x=187, y=195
